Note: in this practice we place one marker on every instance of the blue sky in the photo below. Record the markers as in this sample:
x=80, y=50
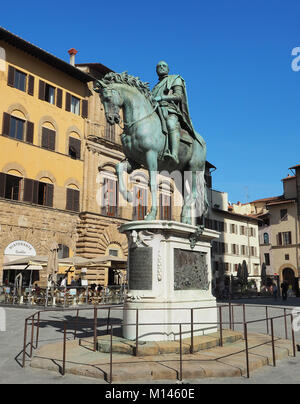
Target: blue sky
x=235, y=56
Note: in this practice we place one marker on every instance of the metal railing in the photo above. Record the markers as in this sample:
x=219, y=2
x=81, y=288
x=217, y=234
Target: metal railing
x=72, y=325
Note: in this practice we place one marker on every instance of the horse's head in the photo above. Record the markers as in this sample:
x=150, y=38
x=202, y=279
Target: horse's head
x=111, y=100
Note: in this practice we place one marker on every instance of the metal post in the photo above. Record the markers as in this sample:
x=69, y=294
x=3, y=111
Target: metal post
x=25, y=341
x=230, y=323
x=273, y=345
x=95, y=328
x=32, y=335
x=267, y=320
x=285, y=324
x=137, y=333
x=76, y=324
x=221, y=326
x=108, y=319
x=293, y=336
x=244, y=313
x=232, y=307
x=192, y=331
x=111, y=351
x=247, y=351
x=37, y=331
x=180, y=352
x=64, y=349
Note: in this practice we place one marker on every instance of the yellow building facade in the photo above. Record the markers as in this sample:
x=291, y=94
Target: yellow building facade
x=43, y=108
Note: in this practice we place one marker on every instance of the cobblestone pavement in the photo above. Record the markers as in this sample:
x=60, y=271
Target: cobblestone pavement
x=11, y=344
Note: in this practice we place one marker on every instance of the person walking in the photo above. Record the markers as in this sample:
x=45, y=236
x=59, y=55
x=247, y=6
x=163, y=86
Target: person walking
x=275, y=291
x=284, y=289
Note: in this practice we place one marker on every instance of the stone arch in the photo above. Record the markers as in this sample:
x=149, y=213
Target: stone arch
x=111, y=235
x=46, y=174
x=20, y=108
x=43, y=122
x=21, y=233
x=72, y=183
x=285, y=266
x=14, y=166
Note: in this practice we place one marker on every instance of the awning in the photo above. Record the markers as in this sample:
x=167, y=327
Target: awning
x=34, y=263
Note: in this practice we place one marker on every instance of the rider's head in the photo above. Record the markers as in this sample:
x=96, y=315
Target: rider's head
x=162, y=68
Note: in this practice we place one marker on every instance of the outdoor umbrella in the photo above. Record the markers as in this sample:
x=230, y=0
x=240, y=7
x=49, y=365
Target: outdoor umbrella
x=52, y=264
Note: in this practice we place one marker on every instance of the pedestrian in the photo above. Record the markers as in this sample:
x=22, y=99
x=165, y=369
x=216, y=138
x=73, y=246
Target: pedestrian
x=63, y=283
x=275, y=291
x=284, y=288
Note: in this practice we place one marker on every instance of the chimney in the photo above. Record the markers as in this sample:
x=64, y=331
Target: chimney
x=72, y=52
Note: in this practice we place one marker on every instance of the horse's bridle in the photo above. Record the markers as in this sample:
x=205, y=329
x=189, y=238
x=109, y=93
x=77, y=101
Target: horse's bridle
x=129, y=124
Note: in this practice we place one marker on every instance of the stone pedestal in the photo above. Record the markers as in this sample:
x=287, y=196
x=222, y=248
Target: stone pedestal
x=169, y=280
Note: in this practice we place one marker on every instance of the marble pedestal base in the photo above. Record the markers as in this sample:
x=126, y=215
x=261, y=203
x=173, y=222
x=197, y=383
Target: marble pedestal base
x=169, y=279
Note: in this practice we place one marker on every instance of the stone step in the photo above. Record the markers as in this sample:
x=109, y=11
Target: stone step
x=125, y=346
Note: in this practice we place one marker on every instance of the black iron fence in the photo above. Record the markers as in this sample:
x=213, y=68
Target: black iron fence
x=33, y=324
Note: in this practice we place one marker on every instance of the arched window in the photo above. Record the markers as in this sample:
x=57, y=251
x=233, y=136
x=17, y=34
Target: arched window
x=63, y=251
x=266, y=238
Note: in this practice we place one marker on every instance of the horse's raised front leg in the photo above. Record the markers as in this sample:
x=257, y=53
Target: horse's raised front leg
x=151, y=158
x=128, y=167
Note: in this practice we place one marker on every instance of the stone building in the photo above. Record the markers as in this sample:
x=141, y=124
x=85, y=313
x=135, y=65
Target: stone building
x=279, y=232
x=238, y=240
x=42, y=115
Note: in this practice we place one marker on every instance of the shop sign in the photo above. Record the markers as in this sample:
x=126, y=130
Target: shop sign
x=20, y=247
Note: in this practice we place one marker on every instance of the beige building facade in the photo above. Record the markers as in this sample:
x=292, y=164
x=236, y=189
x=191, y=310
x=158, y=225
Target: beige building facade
x=279, y=233
x=238, y=240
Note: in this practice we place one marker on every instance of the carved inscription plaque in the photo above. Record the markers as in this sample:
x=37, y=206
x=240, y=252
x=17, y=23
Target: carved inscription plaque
x=140, y=268
x=190, y=270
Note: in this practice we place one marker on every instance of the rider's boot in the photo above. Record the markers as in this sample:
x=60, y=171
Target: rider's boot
x=175, y=142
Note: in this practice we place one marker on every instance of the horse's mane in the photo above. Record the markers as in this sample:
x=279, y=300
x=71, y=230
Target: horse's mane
x=125, y=78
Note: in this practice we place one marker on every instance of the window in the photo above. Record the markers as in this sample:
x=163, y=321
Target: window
x=242, y=230
x=16, y=130
x=287, y=238
x=72, y=202
x=75, y=105
x=266, y=238
x=267, y=259
x=165, y=206
x=74, y=148
x=48, y=139
x=140, y=203
x=10, y=186
x=235, y=249
x=287, y=257
x=113, y=253
x=20, y=80
x=49, y=94
x=16, y=79
x=63, y=251
x=283, y=214
x=284, y=238
x=38, y=192
x=109, y=198
x=233, y=228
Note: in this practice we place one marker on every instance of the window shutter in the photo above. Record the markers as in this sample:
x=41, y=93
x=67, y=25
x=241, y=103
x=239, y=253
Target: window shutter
x=6, y=124
x=59, y=98
x=76, y=195
x=84, y=109
x=76, y=145
x=29, y=132
x=30, y=85
x=2, y=184
x=135, y=204
x=28, y=190
x=51, y=135
x=68, y=102
x=49, y=195
x=44, y=138
x=69, y=201
x=42, y=88
x=11, y=76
